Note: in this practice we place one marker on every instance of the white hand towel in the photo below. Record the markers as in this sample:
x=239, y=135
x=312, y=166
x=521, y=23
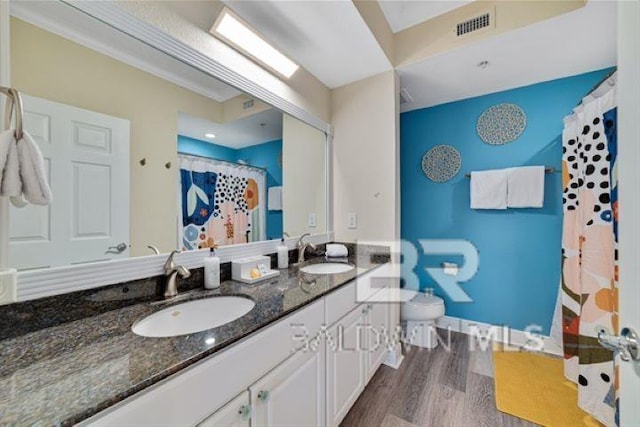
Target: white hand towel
x=33, y=174
x=525, y=187
x=335, y=250
x=10, y=182
x=489, y=189
x=274, y=199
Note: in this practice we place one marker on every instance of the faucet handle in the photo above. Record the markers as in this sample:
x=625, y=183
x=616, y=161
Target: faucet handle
x=169, y=264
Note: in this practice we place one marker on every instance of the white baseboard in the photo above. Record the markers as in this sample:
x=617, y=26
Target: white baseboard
x=394, y=359
x=503, y=335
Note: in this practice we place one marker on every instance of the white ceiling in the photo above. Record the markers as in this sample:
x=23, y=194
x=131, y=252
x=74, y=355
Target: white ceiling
x=576, y=42
x=68, y=22
x=328, y=38
x=237, y=134
x=402, y=14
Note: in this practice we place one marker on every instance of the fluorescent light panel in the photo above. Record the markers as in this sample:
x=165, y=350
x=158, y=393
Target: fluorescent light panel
x=234, y=31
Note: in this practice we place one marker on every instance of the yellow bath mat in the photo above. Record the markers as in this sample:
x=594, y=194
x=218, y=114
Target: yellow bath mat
x=533, y=387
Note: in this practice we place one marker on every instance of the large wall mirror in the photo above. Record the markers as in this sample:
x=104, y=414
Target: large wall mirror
x=144, y=152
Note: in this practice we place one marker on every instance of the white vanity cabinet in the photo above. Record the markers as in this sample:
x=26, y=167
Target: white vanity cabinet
x=356, y=346
x=236, y=413
x=271, y=378
x=293, y=393
x=345, y=344
x=378, y=336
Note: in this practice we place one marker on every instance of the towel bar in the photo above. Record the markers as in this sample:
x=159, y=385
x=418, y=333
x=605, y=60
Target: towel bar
x=548, y=169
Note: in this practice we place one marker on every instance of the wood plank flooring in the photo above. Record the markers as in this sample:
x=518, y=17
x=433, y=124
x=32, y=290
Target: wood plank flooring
x=435, y=388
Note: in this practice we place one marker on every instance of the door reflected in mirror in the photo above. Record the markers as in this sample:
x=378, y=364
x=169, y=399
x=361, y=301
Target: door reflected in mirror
x=122, y=127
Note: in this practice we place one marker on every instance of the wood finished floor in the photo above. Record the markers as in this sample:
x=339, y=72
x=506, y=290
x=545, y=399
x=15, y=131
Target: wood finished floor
x=436, y=388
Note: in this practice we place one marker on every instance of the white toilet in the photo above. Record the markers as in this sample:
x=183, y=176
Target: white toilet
x=421, y=313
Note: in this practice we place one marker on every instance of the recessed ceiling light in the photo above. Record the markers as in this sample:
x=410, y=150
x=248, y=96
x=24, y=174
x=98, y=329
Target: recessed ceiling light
x=232, y=30
x=210, y=135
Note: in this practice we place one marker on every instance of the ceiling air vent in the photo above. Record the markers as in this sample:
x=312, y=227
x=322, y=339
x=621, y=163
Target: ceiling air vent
x=473, y=24
x=247, y=104
x=405, y=97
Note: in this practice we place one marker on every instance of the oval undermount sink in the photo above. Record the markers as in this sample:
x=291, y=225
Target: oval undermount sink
x=193, y=316
x=327, y=268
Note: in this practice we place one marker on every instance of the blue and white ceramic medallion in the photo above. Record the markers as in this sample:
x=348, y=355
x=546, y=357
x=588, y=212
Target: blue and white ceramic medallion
x=441, y=163
x=501, y=123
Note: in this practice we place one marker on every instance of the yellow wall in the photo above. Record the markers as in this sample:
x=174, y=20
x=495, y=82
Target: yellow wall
x=303, y=175
x=51, y=67
x=437, y=35
x=365, y=115
x=190, y=21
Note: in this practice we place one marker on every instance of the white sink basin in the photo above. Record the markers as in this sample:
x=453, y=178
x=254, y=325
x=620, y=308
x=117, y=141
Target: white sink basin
x=327, y=268
x=193, y=316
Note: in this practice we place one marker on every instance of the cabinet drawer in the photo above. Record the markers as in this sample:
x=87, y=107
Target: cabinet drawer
x=196, y=392
x=348, y=297
x=236, y=413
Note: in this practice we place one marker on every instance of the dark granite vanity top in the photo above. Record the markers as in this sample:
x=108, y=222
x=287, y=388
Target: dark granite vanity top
x=65, y=358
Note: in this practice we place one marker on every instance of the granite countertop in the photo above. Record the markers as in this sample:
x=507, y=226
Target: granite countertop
x=62, y=372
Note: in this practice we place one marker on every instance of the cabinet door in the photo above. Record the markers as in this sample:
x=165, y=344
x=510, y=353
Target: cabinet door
x=377, y=335
x=236, y=413
x=345, y=364
x=293, y=393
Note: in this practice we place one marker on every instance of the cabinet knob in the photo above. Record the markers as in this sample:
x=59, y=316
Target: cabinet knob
x=366, y=309
x=245, y=412
x=263, y=395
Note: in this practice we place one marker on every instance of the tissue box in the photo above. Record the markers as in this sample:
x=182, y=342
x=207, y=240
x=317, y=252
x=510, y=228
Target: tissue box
x=241, y=269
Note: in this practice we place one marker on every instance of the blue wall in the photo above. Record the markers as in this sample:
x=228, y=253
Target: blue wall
x=206, y=149
x=266, y=156
x=520, y=249
x=263, y=155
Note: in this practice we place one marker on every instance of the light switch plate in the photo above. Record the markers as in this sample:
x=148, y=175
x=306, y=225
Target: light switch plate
x=352, y=220
x=312, y=220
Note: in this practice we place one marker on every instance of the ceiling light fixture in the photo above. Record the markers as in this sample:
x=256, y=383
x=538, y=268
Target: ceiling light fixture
x=210, y=135
x=235, y=32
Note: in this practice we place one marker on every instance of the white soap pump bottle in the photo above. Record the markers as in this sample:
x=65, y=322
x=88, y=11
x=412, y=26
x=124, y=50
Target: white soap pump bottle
x=212, y=270
x=283, y=255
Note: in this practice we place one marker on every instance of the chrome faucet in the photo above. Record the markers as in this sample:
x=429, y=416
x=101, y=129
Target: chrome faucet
x=302, y=247
x=171, y=271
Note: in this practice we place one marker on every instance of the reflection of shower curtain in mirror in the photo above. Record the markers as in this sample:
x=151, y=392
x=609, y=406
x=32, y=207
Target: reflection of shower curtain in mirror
x=220, y=203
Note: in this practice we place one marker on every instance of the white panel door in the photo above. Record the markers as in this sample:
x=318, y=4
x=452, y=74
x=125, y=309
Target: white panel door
x=236, y=413
x=378, y=330
x=293, y=393
x=345, y=364
x=629, y=196
x=87, y=159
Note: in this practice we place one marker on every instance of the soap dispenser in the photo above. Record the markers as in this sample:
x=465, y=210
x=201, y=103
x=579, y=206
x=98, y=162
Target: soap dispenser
x=212, y=270
x=283, y=255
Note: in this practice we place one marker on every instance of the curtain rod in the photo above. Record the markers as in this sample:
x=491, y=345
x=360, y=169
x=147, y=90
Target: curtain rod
x=548, y=169
x=180, y=153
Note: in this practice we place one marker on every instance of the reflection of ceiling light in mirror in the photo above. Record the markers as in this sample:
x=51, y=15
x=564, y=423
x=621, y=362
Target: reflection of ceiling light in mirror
x=210, y=135
x=209, y=340
x=239, y=35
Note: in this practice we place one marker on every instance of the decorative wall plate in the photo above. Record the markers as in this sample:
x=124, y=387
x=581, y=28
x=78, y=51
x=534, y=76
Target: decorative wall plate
x=501, y=123
x=441, y=163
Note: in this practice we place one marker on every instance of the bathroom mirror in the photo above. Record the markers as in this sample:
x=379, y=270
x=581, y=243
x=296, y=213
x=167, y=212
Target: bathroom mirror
x=146, y=153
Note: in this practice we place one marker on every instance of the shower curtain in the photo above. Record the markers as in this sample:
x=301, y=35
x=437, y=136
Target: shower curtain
x=220, y=203
x=589, y=250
